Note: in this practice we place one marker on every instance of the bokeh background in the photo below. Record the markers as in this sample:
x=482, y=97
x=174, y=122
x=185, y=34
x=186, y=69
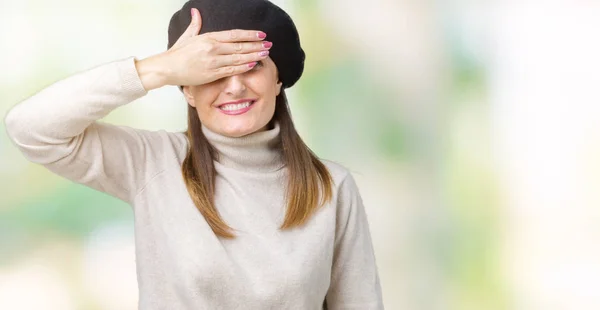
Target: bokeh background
x=471, y=127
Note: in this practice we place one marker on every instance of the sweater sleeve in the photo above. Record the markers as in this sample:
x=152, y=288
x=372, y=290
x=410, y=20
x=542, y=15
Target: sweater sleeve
x=354, y=277
x=58, y=128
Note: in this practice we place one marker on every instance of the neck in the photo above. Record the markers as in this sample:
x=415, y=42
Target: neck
x=256, y=152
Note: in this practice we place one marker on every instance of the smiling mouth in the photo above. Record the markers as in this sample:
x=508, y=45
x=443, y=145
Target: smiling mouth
x=236, y=106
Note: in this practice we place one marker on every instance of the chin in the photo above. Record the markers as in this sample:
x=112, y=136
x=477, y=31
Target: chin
x=237, y=132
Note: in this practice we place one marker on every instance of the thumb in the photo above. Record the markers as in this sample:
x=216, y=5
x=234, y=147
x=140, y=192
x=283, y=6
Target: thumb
x=192, y=30
x=196, y=23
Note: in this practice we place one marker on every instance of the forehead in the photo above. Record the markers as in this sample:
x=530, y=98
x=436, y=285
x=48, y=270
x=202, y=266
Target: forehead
x=270, y=62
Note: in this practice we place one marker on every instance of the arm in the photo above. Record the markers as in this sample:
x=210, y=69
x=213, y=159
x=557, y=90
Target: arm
x=57, y=127
x=354, y=277
x=151, y=72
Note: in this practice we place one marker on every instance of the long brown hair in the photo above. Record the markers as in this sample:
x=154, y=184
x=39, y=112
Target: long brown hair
x=308, y=178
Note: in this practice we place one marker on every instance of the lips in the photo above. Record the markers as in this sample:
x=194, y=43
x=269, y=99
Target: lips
x=237, y=102
x=237, y=108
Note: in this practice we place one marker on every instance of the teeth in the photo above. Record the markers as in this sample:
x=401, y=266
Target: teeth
x=233, y=107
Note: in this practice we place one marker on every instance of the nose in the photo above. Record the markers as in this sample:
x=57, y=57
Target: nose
x=234, y=85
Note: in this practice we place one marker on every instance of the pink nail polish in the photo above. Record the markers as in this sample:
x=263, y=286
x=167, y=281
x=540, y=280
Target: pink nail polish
x=267, y=44
x=261, y=35
x=252, y=64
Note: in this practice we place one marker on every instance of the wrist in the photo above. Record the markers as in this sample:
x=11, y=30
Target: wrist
x=151, y=72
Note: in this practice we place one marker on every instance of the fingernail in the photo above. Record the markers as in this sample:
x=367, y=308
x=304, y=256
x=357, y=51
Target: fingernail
x=267, y=44
x=252, y=64
x=192, y=10
x=261, y=35
x=263, y=53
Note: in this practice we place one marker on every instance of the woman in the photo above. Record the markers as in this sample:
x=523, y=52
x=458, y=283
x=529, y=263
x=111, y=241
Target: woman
x=235, y=213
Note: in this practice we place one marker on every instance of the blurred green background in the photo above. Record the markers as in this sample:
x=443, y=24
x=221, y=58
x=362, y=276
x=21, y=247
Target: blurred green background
x=472, y=129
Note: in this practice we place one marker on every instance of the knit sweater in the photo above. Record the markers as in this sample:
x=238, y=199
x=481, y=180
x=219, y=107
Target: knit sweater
x=328, y=263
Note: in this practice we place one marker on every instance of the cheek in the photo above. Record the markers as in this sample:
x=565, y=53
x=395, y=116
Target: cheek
x=204, y=109
x=269, y=106
x=205, y=97
x=270, y=97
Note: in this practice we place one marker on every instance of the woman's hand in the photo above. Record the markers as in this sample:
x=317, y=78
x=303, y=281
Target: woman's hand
x=199, y=59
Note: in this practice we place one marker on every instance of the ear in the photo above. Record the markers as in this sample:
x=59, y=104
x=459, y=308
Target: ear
x=187, y=93
x=279, y=84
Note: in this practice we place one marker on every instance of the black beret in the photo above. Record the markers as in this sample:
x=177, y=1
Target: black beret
x=219, y=15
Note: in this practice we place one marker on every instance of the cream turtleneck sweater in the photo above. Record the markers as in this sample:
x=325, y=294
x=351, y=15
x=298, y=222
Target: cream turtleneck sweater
x=181, y=264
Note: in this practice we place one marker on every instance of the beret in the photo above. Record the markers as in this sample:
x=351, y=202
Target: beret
x=263, y=15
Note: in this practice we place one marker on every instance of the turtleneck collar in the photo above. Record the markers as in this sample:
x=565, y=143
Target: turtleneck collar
x=256, y=152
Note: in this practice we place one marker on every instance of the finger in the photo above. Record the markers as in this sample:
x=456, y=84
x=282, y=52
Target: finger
x=195, y=24
x=238, y=59
x=199, y=16
x=237, y=35
x=242, y=47
x=192, y=30
x=233, y=70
